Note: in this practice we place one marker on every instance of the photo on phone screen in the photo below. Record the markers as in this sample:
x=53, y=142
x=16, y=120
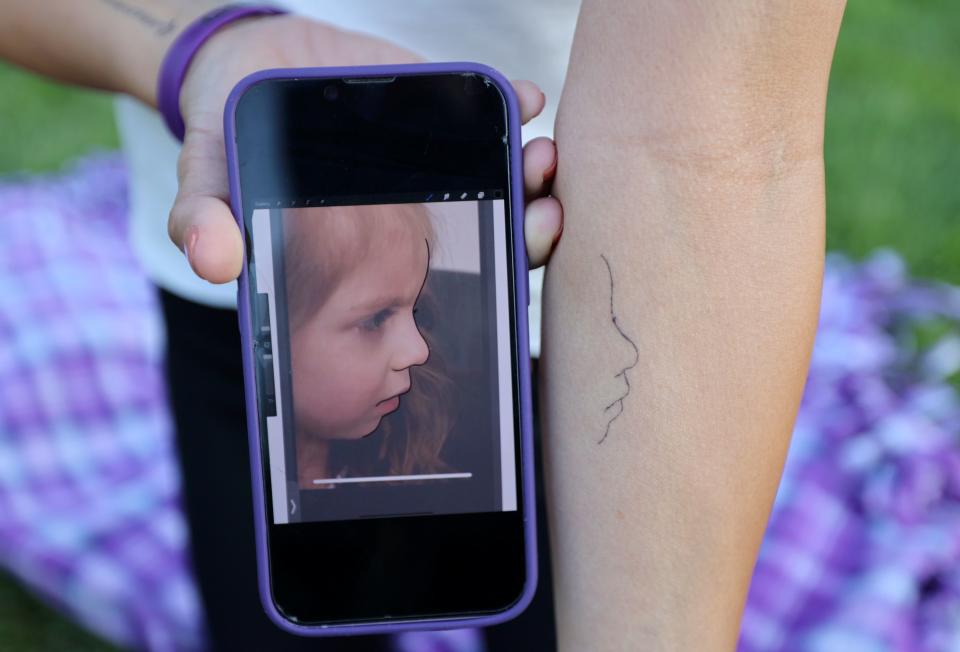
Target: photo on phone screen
x=384, y=358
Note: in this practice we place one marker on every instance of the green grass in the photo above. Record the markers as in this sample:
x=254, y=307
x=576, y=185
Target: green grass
x=44, y=123
x=26, y=625
x=892, y=161
x=893, y=134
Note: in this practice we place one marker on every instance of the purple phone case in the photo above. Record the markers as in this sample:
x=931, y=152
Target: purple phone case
x=521, y=299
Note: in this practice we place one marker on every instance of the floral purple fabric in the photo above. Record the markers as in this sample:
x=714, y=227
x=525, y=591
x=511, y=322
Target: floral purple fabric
x=861, y=552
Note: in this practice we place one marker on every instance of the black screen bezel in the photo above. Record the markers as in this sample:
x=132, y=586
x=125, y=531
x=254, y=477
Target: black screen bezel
x=436, y=131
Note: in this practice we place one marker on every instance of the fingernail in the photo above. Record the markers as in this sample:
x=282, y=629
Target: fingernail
x=190, y=242
x=548, y=173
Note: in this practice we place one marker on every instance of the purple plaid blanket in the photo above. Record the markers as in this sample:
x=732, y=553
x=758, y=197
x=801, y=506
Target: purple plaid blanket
x=89, y=487
x=861, y=550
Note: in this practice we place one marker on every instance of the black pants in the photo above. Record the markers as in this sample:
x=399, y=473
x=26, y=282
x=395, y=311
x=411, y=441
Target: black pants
x=205, y=381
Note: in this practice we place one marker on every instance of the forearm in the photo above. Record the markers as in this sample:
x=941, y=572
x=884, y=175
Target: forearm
x=691, y=175
x=112, y=45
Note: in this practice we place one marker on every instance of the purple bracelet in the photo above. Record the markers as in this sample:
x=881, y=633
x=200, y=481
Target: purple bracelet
x=181, y=53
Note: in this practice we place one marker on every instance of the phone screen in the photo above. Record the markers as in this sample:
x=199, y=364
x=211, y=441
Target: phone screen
x=382, y=305
x=386, y=375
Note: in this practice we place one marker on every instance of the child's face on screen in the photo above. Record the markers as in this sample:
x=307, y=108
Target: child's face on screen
x=351, y=358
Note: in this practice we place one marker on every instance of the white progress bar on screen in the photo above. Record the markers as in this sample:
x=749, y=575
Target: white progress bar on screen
x=386, y=478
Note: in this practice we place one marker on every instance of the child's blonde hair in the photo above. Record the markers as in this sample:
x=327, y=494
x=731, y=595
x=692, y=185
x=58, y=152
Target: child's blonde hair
x=321, y=247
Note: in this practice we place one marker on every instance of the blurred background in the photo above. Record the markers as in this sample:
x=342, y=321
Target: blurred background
x=874, y=458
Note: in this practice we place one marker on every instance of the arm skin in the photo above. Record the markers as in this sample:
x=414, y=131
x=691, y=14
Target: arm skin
x=680, y=307
x=110, y=45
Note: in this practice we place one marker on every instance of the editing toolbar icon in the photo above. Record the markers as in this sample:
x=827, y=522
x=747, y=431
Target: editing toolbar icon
x=463, y=196
x=446, y=195
x=479, y=195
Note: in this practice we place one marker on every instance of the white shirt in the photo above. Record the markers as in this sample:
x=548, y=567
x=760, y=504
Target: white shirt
x=523, y=39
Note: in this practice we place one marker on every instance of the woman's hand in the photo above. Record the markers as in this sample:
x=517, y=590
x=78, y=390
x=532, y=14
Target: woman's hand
x=201, y=222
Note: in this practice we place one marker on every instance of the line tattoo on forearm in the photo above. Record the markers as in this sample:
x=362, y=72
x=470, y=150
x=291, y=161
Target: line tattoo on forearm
x=623, y=372
x=160, y=26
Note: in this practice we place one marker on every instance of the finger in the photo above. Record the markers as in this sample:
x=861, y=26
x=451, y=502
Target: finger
x=530, y=98
x=542, y=226
x=539, y=166
x=201, y=223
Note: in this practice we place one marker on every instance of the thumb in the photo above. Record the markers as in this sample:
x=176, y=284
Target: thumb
x=201, y=223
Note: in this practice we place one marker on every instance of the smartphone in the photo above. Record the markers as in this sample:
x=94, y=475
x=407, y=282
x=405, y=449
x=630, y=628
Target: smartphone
x=383, y=313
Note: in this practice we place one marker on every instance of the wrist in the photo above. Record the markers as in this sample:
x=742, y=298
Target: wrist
x=183, y=50
x=139, y=55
